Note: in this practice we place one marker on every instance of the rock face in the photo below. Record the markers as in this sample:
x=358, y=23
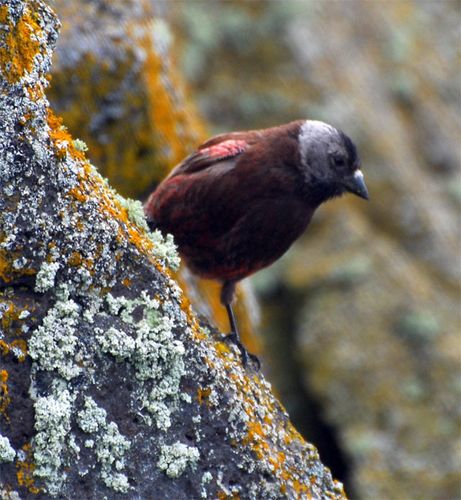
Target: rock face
x=108, y=385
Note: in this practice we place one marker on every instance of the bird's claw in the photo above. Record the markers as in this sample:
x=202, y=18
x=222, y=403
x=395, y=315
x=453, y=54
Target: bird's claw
x=233, y=337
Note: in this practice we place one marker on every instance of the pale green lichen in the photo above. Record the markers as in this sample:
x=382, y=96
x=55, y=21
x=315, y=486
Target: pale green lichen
x=176, y=458
x=164, y=247
x=24, y=314
x=115, y=342
x=7, y=452
x=46, y=276
x=92, y=417
x=115, y=480
x=154, y=354
x=7, y=494
x=109, y=445
x=52, y=423
x=207, y=477
x=80, y=145
x=135, y=211
x=418, y=326
x=53, y=344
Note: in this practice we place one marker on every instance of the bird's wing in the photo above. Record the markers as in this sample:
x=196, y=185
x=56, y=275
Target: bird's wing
x=218, y=149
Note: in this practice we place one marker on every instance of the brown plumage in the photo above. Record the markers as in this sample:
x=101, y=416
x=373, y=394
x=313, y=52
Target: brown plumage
x=239, y=202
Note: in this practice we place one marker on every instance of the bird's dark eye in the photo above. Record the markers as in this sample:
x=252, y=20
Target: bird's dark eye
x=339, y=161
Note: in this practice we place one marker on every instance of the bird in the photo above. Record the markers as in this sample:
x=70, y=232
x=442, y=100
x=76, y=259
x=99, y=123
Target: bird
x=237, y=203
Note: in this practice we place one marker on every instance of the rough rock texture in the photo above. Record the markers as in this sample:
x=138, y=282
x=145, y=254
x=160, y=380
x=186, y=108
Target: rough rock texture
x=108, y=385
x=363, y=315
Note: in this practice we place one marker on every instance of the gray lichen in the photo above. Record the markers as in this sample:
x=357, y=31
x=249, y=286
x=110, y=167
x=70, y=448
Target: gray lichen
x=52, y=423
x=164, y=247
x=80, y=145
x=174, y=459
x=46, y=276
x=53, y=345
x=109, y=445
x=153, y=352
x=135, y=211
x=7, y=494
x=7, y=452
x=206, y=478
x=116, y=342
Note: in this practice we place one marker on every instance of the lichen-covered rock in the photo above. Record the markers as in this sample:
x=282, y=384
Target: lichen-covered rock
x=108, y=385
x=115, y=57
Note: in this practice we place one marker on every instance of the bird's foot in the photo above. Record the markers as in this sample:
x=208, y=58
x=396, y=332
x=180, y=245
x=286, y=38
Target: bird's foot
x=234, y=338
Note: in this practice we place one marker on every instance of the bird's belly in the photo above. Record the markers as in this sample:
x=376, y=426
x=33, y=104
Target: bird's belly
x=255, y=241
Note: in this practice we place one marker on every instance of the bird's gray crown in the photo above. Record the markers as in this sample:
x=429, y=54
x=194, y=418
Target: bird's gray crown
x=316, y=140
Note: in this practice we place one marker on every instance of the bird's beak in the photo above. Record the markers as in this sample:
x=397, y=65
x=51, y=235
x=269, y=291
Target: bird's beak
x=356, y=184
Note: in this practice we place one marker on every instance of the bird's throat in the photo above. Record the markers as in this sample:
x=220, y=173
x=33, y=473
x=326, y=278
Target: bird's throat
x=317, y=192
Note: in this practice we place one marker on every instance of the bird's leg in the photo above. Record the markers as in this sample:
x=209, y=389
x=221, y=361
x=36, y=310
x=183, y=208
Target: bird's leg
x=227, y=296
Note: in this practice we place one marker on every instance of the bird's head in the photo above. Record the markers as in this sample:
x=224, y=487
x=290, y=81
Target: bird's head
x=329, y=160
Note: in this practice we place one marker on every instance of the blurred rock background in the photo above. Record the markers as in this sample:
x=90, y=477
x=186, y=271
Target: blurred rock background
x=361, y=320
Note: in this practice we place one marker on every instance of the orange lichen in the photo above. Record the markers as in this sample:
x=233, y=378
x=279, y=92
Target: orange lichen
x=8, y=316
x=75, y=259
x=185, y=305
x=18, y=346
x=5, y=347
x=203, y=394
x=257, y=439
x=61, y=138
x=77, y=193
x=169, y=118
x=222, y=495
x=25, y=118
x=5, y=399
x=260, y=436
x=25, y=470
x=5, y=267
x=222, y=348
x=93, y=187
x=127, y=282
x=300, y=488
x=35, y=92
x=21, y=45
x=130, y=164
